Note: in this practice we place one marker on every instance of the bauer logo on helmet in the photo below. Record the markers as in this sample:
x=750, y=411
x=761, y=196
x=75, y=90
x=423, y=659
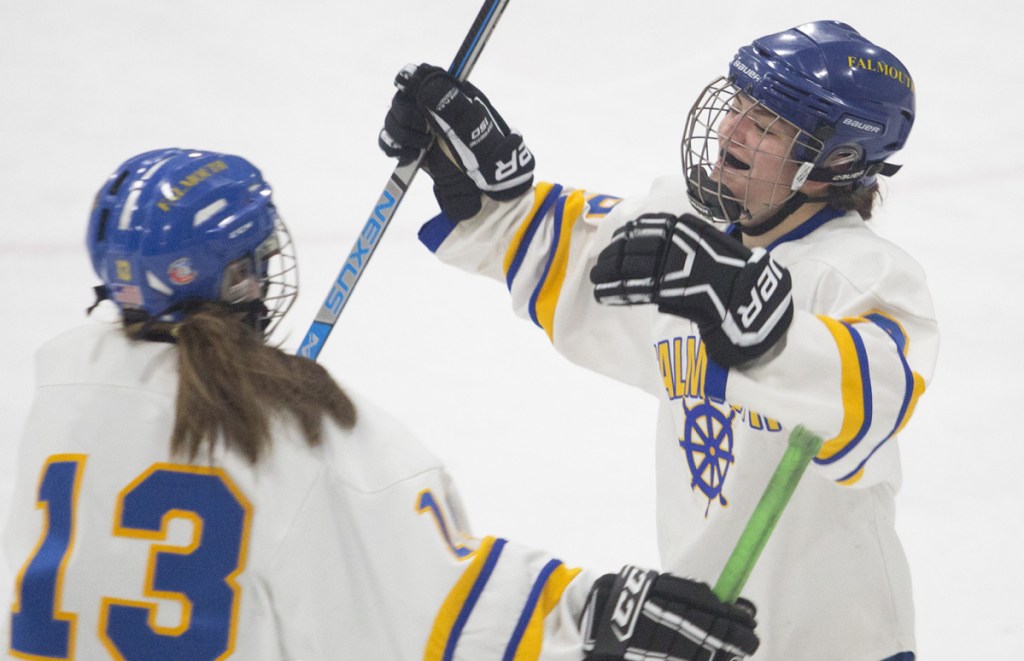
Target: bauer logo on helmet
x=747, y=71
x=863, y=125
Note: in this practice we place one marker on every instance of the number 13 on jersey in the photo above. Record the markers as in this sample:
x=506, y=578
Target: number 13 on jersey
x=199, y=575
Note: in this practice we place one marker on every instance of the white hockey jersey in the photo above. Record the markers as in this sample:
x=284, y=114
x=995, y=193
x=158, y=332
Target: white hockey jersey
x=356, y=549
x=833, y=582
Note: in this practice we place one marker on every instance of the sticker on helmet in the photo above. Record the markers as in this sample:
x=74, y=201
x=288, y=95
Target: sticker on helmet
x=129, y=296
x=173, y=193
x=181, y=271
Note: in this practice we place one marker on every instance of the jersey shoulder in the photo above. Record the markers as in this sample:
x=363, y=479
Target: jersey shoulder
x=667, y=194
x=846, y=263
x=101, y=354
x=378, y=452
x=848, y=246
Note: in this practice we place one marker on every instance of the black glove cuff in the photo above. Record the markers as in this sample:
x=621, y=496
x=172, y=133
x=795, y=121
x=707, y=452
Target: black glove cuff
x=723, y=351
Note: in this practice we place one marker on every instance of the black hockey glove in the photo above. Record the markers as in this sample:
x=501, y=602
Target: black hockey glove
x=405, y=131
x=640, y=614
x=489, y=157
x=740, y=299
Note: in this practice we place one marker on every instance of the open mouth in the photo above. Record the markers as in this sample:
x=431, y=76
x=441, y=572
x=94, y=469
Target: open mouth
x=732, y=162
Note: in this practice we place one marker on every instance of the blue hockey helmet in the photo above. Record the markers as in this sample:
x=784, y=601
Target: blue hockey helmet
x=831, y=82
x=851, y=102
x=172, y=227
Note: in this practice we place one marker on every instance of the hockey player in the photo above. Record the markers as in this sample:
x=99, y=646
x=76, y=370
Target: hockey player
x=796, y=313
x=187, y=491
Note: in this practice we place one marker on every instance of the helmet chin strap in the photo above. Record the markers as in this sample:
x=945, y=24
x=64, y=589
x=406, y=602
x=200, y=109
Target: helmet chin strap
x=715, y=200
x=787, y=208
x=782, y=212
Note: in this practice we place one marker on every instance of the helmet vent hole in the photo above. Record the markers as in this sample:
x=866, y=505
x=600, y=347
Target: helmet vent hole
x=101, y=230
x=788, y=95
x=790, y=92
x=117, y=183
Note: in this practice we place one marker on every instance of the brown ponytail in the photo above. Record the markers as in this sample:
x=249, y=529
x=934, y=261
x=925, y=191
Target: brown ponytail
x=231, y=383
x=861, y=200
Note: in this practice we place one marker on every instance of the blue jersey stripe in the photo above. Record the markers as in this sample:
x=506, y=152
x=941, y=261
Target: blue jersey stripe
x=556, y=234
x=474, y=596
x=896, y=333
x=531, y=605
x=808, y=226
x=534, y=222
x=866, y=397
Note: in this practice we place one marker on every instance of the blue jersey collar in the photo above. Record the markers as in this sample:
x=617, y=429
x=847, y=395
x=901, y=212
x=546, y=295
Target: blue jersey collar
x=805, y=228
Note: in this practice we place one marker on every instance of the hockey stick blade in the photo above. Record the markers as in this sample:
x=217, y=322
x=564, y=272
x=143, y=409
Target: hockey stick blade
x=802, y=447
x=379, y=220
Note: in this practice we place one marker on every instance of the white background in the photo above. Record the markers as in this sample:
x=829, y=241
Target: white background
x=544, y=452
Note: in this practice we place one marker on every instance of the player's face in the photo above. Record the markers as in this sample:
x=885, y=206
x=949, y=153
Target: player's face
x=754, y=144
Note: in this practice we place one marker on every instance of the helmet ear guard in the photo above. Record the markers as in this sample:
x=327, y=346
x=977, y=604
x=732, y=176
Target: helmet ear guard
x=845, y=166
x=844, y=157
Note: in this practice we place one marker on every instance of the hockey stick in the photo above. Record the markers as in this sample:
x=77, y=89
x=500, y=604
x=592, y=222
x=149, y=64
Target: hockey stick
x=391, y=197
x=802, y=447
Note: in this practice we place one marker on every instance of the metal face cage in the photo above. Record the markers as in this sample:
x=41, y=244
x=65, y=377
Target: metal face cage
x=279, y=284
x=741, y=159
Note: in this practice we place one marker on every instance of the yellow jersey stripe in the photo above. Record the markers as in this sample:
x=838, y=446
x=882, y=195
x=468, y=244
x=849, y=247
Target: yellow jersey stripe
x=540, y=194
x=918, y=391
x=852, y=389
x=551, y=285
x=453, y=612
x=533, y=636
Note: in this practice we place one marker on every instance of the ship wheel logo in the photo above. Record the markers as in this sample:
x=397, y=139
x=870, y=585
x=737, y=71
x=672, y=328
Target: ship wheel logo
x=707, y=442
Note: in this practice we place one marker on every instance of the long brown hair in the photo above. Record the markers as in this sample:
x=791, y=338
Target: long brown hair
x=859, y=199
x=231, y=384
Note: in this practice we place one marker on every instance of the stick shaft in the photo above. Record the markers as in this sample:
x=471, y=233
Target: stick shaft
x=802, y=447
x=394, y=191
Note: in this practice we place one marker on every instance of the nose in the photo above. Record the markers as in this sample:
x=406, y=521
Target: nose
x=734, y=129
x=727, y=125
